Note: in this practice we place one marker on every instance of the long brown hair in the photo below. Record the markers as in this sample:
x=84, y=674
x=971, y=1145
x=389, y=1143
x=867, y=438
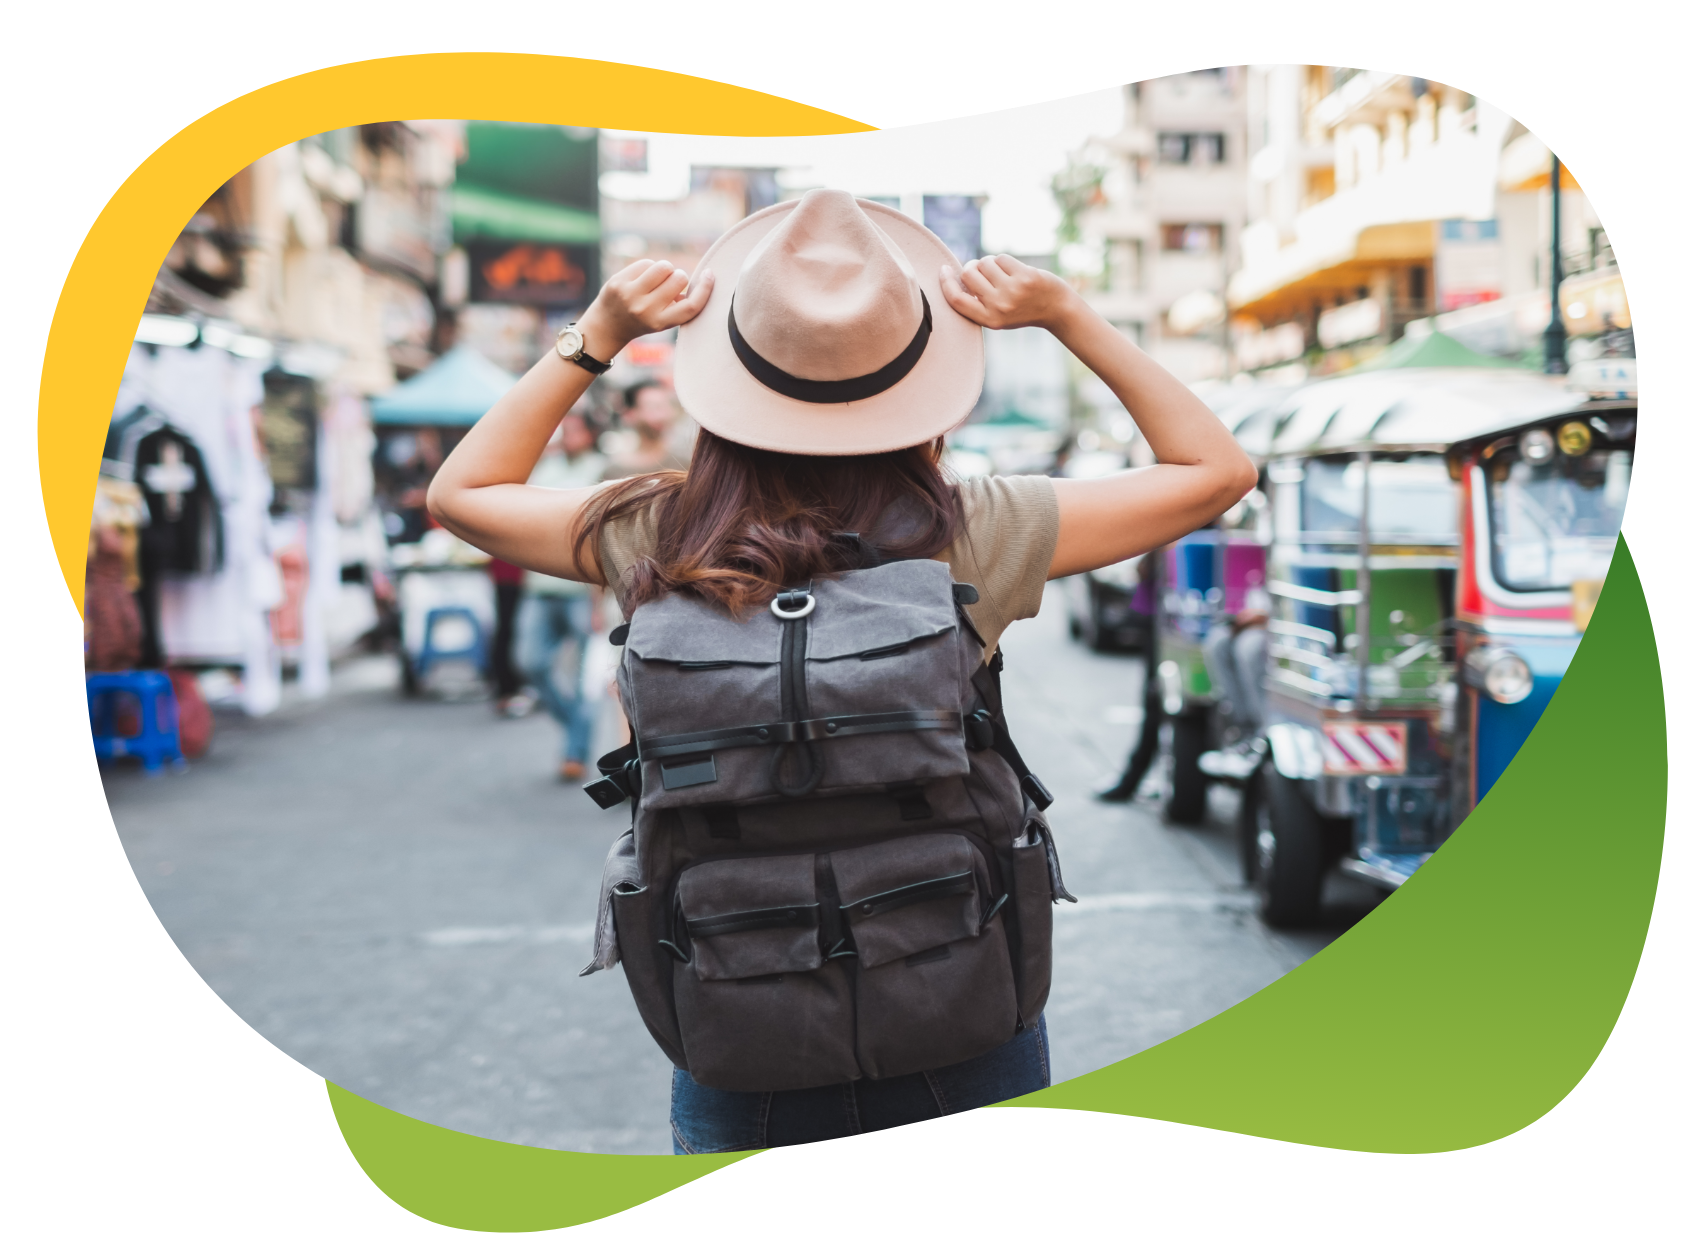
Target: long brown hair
x=743, y=524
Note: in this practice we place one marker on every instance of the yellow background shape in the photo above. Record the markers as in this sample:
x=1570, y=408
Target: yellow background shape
x=106, y=290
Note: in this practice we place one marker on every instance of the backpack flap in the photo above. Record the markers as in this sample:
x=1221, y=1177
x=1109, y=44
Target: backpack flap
x=858, y=684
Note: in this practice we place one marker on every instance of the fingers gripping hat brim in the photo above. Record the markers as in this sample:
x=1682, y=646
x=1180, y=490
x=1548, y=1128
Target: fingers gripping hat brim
x=934, y=398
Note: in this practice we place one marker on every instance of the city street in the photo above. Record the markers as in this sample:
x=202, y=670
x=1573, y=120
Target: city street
x=399, y=894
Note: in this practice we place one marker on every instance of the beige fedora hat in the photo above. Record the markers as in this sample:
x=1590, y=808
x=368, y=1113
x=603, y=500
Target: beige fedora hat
x=827, y=333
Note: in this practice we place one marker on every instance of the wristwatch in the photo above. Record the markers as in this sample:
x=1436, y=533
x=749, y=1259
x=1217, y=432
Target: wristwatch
x=569, y=344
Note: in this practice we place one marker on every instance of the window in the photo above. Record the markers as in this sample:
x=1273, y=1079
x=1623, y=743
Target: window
x=1410, y=498
x=1556, y=522
x=1192, y=238
x=1191, y=148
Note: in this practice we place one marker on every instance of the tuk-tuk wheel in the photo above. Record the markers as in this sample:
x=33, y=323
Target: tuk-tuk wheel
x=410, y=680
x=1289, y=866
x=1188, y=788
x=1251, y=813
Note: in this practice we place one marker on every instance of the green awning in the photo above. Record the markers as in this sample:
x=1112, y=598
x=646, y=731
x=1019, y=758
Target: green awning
x=479, y=212
x=1434, y=350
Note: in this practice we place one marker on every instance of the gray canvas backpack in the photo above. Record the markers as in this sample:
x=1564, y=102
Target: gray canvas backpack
x=838, y=865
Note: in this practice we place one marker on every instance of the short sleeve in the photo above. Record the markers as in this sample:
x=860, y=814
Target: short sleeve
x=625, y=541
x=1005, y=552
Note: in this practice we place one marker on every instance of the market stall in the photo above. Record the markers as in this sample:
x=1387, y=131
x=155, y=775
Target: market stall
x=446, y=602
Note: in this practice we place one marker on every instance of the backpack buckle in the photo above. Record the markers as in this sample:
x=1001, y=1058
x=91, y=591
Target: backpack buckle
x=605, y=792
x=784, y=608
x=621, y=778
x=1036, y=791
x=978, y=730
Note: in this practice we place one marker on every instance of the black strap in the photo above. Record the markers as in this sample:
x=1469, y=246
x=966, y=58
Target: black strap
x=986, y=682
x=753, y=920
x=910, y=894
x=851, y=390
x=768, y=734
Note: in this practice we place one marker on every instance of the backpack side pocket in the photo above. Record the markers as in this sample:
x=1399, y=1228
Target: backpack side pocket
x=648, y=967
x=1031, y=904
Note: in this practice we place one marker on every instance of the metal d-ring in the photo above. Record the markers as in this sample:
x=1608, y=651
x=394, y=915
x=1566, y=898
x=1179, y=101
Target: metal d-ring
x=804, y=611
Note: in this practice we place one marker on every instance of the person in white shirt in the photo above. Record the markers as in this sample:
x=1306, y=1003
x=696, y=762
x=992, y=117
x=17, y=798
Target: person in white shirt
x=555, y=609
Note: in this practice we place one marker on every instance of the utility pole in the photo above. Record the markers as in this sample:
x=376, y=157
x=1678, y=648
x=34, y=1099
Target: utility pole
x=1554, y=336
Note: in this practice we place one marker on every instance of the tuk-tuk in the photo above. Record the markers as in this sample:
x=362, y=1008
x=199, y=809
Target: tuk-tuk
x=1362, y=687
x=1204, y=581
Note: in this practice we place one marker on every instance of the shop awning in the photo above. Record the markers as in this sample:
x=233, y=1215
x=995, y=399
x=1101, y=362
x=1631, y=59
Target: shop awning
x=456, y=390
x=1434, y=350
x=1526, y=164
x=480, y=212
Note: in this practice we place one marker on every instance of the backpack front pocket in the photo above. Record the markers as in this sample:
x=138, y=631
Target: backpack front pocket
x=758, y=1006
x=934, y=983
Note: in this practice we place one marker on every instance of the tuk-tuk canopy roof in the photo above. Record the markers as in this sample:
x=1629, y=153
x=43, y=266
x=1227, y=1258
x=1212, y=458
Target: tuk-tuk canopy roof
x=457, y=389
x=1415, y=408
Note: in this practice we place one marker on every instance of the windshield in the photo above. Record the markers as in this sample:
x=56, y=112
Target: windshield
x=1412, y=498
x=1555, y=523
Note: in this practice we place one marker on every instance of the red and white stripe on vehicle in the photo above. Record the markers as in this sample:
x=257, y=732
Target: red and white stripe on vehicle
x=1365, y=747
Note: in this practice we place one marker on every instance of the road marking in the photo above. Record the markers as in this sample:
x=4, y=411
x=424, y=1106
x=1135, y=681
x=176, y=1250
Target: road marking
x=518, y=933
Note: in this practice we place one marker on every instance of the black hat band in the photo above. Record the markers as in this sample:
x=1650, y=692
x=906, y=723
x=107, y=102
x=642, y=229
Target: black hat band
x=851, y=390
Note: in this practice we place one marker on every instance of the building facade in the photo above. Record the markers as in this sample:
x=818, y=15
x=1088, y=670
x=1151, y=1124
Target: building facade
x=1153, y=217
x=1378, y=202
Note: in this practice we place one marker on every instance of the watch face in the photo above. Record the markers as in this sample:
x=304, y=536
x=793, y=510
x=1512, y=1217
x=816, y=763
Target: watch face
x=569, y=343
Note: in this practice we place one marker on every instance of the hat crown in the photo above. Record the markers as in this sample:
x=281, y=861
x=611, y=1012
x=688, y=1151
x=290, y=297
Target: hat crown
x=827, y=295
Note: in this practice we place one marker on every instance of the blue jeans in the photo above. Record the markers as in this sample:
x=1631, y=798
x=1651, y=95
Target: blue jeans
x=706, y=1121
x=546, y=622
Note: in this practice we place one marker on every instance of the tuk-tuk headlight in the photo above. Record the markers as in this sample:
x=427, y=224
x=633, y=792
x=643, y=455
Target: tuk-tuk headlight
x=1536, y=446
x=1500, y=673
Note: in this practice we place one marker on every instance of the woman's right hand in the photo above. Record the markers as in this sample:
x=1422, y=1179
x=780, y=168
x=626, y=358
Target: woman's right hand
x=645, y=297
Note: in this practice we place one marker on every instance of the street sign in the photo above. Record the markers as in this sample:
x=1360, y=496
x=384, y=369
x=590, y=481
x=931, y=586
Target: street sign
x=530, y=273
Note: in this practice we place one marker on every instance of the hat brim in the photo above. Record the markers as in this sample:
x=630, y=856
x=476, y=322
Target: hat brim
x=934, y=398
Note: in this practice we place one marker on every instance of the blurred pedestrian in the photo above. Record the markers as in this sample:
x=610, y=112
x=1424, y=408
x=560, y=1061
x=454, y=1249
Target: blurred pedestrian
x=653, y=417
x=1151, y=694
x=1235, y=655
x=841, y=348
x=557, y=613
x=508, y=581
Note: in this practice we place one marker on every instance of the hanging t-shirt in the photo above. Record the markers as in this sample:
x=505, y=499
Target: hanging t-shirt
x=184, y=531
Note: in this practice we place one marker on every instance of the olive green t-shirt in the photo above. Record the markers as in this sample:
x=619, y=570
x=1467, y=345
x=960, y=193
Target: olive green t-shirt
x=1011, y=530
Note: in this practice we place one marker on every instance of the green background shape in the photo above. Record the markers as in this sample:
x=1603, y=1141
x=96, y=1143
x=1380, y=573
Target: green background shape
x=1459, y=1011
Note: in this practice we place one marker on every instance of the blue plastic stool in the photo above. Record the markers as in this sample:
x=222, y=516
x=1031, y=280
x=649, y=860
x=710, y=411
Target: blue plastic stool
x=477, y=651
x=159, y=740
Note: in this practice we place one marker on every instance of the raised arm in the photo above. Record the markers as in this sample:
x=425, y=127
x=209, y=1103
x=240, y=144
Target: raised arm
x=1200, y=471
x=480, y=493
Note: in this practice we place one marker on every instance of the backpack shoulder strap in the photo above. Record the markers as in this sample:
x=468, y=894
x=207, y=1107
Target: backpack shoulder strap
x=985, y=727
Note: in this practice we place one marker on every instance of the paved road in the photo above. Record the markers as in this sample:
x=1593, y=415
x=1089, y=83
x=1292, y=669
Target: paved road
x=399, y=895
